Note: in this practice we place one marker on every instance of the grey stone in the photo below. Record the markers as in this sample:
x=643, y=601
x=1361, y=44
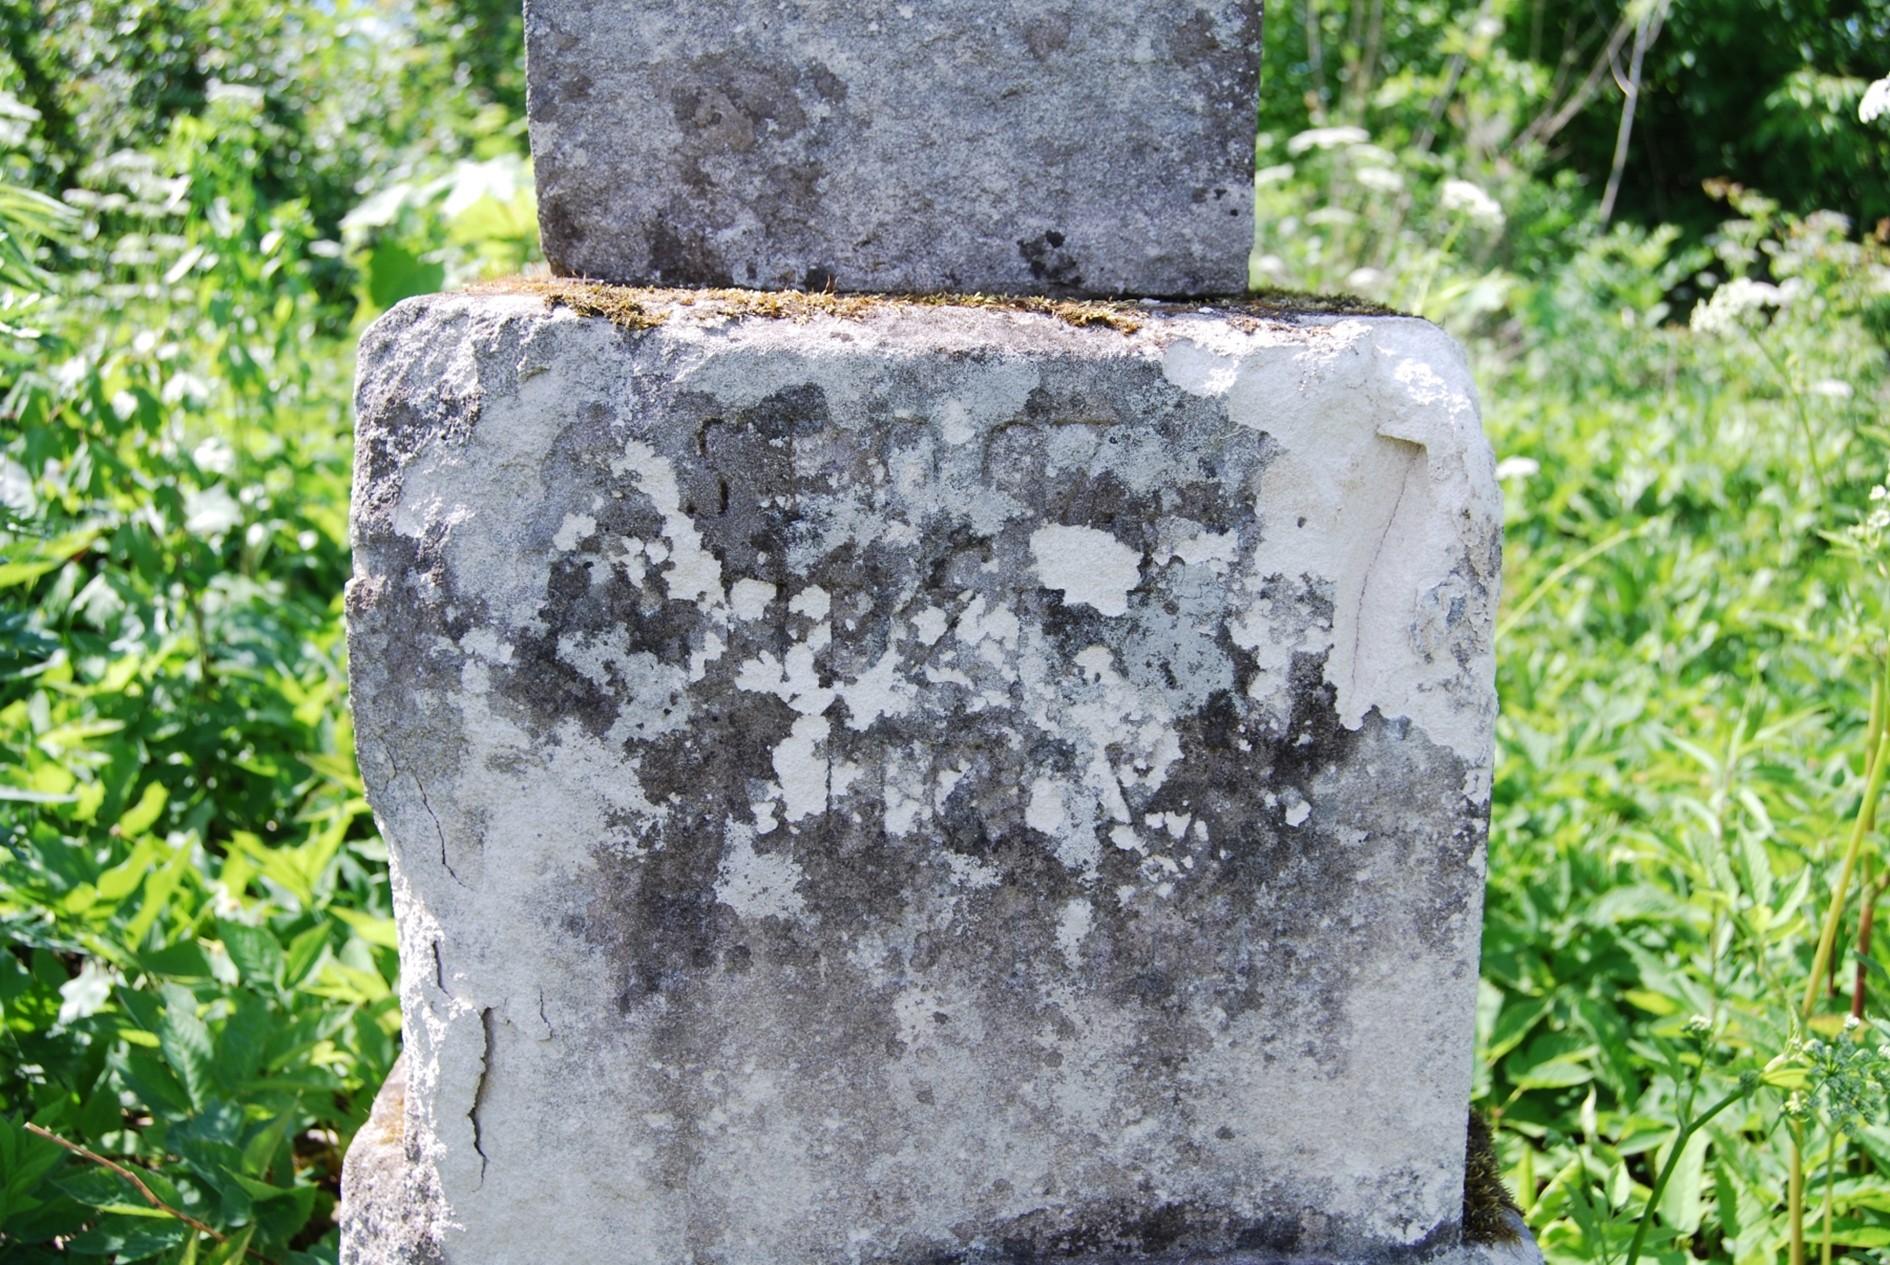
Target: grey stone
x=939, y=784
x=1021, y=146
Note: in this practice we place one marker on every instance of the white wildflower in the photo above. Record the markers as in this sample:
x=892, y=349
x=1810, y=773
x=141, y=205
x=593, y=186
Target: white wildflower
x=211, y=511
x=1271, y=269
x=86, y=993
x=1371, y=156
x=1365, y=280
x=1876, y=101
x=1279, y=173
x=1828, y=223
x=1381, y=179
x=1326, y=138
x=1832, y=389
x=214, y=456
x=1729, y=304
x=1461, y=195
x=240, y=95
x=1517, y=468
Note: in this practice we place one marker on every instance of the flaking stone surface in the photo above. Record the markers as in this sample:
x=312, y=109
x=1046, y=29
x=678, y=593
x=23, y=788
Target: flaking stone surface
x=948, y=786
x=1005, y=146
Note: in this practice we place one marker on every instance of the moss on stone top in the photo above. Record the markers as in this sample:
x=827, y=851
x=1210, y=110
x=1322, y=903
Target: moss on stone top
x=637, y=307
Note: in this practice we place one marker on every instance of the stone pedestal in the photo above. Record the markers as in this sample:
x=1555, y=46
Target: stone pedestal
x=920, y=782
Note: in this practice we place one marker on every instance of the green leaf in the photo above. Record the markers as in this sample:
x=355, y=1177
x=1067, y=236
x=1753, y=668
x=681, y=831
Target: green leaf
x=123, y=878
x=1653, y=1003
x=25, y=1158
x=1681, y=1205
x=183, y=960
x=392, y=272
x=1514, y=1024
x=184, y=1040
x=374, y=929
x=159, y=887
x=141, y=816
x=303, y=952
x=1554, y=1074
x=129, y=1239
x=254, y=950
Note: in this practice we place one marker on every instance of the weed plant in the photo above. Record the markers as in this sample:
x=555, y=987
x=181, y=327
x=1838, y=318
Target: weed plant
x=1681, y=1022
x=197, y=993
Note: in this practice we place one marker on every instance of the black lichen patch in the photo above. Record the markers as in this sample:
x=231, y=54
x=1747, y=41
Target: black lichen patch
x=1050, y=263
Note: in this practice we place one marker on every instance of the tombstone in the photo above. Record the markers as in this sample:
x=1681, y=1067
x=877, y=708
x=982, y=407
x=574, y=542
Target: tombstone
x=897, y=779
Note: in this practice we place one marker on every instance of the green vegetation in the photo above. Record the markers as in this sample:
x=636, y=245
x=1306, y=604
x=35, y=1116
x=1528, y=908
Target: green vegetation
x=1693, y=634
x=200, y=203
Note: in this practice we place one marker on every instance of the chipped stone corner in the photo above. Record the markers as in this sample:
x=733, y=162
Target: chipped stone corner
x=391, y=1211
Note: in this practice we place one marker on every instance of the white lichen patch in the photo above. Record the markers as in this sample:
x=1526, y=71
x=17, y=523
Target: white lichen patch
x=693, y=574
x=1073, y=925
x=749, y=599
x=756, y=884
x=1086, y=565
x=812, y=602
x=801, y=764
x=574, y=529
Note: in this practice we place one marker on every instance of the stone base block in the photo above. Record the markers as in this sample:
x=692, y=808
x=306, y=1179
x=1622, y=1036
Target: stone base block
x=922, y=782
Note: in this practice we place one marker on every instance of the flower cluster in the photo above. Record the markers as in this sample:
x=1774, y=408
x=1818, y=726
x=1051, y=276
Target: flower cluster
x=1483, y=210
x=1846, y=1078
x=1726, y=309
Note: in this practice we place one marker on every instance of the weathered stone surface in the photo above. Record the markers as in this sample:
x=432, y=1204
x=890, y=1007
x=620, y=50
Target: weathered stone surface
x=947, y=785
x=1020, y=146
x=392, y=1210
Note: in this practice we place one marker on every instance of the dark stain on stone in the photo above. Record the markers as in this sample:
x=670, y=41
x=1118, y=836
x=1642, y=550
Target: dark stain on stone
x=827, y=85
x=1047, y=35
x=752, y=102
x=1049, y=263
x=1273, y=1235
x=563, y=225
x=683, y=257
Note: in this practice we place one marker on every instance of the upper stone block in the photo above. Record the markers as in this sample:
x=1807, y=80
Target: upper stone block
x=1082, y=147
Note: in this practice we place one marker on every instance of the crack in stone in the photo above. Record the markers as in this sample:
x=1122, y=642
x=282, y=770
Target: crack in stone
x=479, y=1091
x=1378, y=551
x=431, y=816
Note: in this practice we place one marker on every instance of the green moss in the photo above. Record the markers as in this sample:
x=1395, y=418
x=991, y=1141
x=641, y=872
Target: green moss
x=619, y=305
x=639, y=307
x=1487, y=1203
x=1290, y=303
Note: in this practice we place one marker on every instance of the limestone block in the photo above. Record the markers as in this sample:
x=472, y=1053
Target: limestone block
x=933, y=783
x=1013, y=146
